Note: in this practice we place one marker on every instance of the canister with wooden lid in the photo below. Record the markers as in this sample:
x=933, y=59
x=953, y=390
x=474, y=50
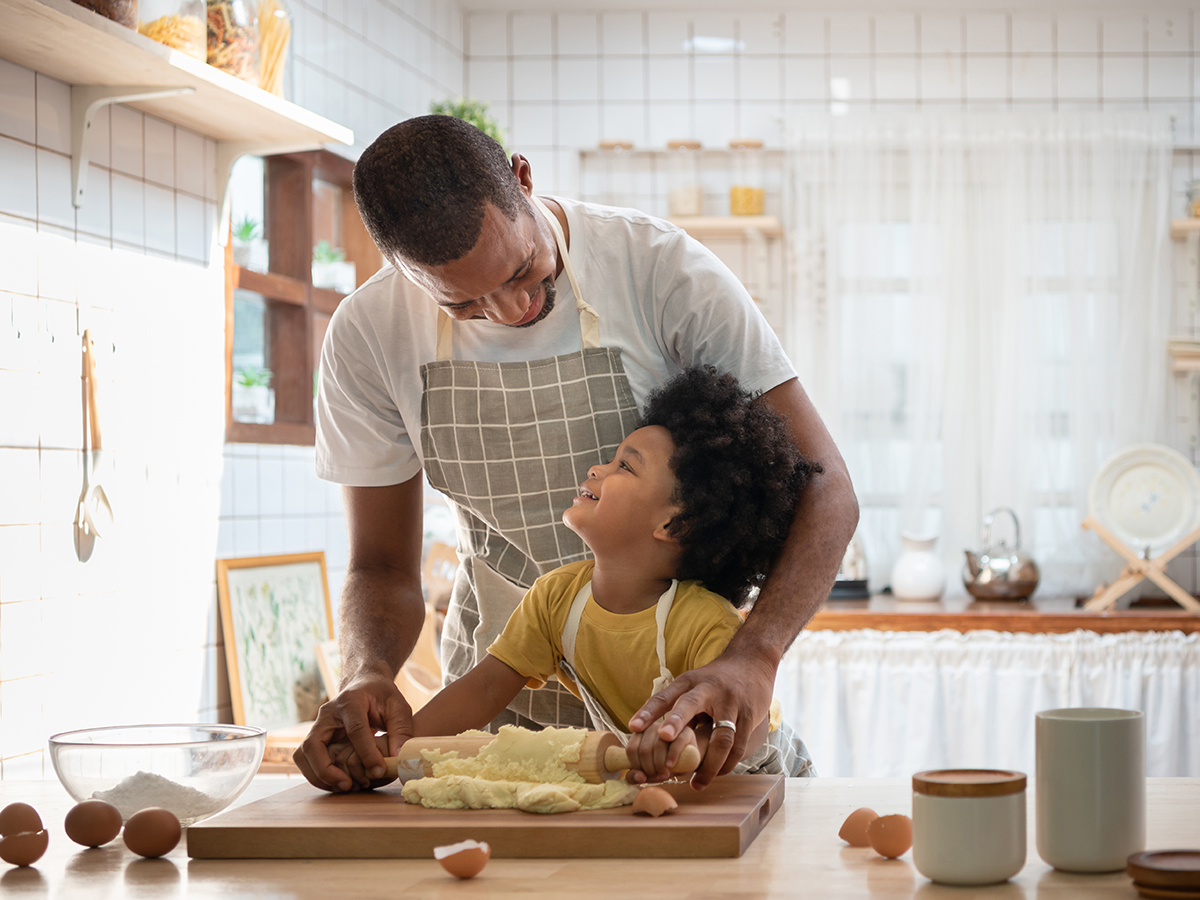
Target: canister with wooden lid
x=969, y=825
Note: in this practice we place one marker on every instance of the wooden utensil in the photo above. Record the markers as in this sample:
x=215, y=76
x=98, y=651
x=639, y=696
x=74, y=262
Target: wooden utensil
x=601, y=758
x=97, y=509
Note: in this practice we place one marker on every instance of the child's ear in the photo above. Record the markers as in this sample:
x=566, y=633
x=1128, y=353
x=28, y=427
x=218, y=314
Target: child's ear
x=663, y=532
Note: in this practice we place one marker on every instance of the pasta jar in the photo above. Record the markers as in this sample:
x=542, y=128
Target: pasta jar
x=617, y=157
x=746, y=192
x=124, y=12
x=969, y=825
x=685, y=197
x=233, y=38
x=179, y=24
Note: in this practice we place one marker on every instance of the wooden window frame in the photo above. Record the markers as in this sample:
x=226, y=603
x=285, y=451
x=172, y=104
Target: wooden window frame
x=297, y=312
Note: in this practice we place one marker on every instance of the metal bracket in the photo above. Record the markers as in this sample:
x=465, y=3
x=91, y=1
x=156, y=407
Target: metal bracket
x=86, y=99
x=228, y=153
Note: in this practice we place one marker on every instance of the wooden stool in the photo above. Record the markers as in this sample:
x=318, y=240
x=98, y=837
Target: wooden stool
x=1137, y=568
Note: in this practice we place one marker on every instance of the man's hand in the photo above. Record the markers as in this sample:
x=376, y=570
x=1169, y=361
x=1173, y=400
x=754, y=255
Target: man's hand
x=363, y=707
x=734, y=688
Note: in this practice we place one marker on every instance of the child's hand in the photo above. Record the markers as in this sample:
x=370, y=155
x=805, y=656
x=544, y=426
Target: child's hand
x=346, y=758
x=653, y=759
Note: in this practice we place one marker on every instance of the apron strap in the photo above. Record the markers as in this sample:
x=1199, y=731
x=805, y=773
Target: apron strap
x=589, y=319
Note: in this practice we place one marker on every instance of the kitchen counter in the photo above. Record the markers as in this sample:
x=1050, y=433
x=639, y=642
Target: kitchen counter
x=798, y=854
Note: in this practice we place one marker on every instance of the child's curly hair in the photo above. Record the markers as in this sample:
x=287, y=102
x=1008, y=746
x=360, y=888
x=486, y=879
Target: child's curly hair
x=739, y=478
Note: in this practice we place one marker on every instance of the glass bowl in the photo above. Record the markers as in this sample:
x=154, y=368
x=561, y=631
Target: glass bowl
x=195, y=771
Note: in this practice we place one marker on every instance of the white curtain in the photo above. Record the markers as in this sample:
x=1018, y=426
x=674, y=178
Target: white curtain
x=980, y=312
x=876, y=704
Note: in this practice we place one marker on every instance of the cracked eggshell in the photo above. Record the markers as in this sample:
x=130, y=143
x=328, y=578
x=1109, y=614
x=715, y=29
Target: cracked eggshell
x=654, y=801
x=24, y=848
x=854, y=829
x=92, y=823
x=19, y=817
x=465, y=859
x=891, y=836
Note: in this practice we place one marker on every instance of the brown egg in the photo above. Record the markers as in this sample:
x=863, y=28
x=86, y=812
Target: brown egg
x=653, y=801
x=891, y=836
x=854, y=829
x=24, y=848
x=465, y=859
x=152, y=832
x=92, y=823
x=18, y=817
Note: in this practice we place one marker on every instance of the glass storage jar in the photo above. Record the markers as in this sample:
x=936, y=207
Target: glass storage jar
x=746, y=191
x=968, y=825
x=233, y=38
x=617, y=163
x=177, y=23
x=685, y=197
x=124, y=12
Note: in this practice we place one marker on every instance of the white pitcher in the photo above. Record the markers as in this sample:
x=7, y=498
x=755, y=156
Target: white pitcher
x=919, y=573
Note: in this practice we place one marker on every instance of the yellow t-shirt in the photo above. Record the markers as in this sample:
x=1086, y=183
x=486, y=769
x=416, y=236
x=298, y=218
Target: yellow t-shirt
x=615, y=654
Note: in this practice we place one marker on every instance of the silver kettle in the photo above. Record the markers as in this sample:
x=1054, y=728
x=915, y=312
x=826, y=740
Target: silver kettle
x=1000, y=573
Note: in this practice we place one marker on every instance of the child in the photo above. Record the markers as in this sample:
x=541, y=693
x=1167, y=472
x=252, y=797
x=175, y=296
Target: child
x=684, y=524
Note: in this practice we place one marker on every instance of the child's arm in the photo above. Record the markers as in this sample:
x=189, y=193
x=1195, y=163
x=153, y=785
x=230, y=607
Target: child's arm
x=470, y=702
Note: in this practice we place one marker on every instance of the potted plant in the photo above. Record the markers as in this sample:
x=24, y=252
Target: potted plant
x=250, y=250
x=472, y=111
x=331, y=270
x=253, y=398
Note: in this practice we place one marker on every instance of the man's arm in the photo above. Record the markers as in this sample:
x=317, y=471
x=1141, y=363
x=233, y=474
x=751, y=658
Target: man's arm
x=738, y=685
x=380, y=617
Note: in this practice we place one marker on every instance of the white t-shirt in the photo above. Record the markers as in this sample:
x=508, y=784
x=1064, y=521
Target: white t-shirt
x=664, y=300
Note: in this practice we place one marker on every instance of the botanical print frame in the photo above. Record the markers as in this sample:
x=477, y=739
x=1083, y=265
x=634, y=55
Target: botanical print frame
x=274, y=612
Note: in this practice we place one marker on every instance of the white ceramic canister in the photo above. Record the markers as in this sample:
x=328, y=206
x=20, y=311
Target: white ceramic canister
x=969, y=825
x=919, y=573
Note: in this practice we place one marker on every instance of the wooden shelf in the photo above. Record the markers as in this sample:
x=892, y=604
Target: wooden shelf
x=835, y=616
x=75, y=45
x=701, y=227
x=1181, y=228
x=270, y=284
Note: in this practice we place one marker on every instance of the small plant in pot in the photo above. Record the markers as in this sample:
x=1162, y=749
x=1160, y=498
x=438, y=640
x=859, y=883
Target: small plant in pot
x=331, y=270
x=250, y=249
x=253, y=398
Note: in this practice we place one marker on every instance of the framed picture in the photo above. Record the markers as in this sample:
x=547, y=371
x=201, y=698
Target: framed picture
x=274, y=613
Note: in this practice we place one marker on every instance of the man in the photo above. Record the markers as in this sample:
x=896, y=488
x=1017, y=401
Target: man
x=508, y=347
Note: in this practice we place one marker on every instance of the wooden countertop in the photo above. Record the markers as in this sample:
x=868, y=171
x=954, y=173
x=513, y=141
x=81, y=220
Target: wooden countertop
x=1052, y=615
x=799, y=854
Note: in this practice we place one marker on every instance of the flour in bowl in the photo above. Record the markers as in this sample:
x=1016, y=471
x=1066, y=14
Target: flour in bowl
x=145, y=789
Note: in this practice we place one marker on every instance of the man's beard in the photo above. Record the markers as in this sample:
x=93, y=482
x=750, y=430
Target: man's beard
x=549, y=293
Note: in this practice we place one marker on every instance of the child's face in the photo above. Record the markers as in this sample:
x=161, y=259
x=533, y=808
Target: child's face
x=623, y=502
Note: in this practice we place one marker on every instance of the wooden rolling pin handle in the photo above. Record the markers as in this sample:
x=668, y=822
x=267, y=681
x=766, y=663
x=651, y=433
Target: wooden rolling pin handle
x=616, y=759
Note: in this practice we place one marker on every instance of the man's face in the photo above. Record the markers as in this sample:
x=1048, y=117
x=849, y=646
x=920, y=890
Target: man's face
x=623, y=504
x=507, y=277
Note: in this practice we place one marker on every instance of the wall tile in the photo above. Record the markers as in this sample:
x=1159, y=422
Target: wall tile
x=54, y=189
x=804, y=32
x=850, y=33
x=487, y=80
x=53, y=114
x=805, y=79
x=714, y=78
x=576, y=34
x=95, y=216
x=487, y=34
x=191, y=239
x=941, y=77
x=895, y=33
x=987, y=78
x=128, y=211
x=762, y=120
x=668, y=122
x=18, y=103
x=1032, y=32
x=18, y=255
x=623, y=121
x=1033, y=78
x=578, y=79
x=295, y=474
x=1078, y=78
x=58, y=267
x=23, y=733
x=20, y=551
x=621, y=33
x=1078, y=32
x=579, y=125
x=716, y=122
x=532, y=125
x=18, y=187
x=127, y=140
x=245, y=487
x=532, y=79
x=28, y=767
x=668, y=78
x=895, y=78
x=761, y=34
x=941, y=33
x=160, y=219
x=20, y=500
x=760, y=79
x=62, y=469
x=1170, y=77
x=245, y=537
x=622, y=79
x=1168, y=31
x=531, y=34
x=1123, y=78
x=987, y=32
x=1123, y=32
x=18, y=426
x=852, y=75
x=160, y=151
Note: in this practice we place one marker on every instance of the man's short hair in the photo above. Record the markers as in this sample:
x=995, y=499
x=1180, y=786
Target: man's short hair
x=423, y=186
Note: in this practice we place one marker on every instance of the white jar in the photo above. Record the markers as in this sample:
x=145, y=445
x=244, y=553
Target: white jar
x=919, y=573
x=969, y=825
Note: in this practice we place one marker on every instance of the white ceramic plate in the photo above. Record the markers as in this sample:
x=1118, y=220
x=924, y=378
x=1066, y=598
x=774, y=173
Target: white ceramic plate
x=1148, y=495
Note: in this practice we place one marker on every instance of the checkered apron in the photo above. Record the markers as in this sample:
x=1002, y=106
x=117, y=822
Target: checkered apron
x=509, y=444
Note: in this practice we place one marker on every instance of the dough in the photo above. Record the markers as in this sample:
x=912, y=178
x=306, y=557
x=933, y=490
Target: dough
x=520, y=769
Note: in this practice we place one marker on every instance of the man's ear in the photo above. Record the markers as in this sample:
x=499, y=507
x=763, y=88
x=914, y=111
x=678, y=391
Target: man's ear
x=524, y=172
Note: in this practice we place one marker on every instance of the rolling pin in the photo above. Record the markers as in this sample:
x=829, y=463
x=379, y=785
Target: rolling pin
x=601, y=758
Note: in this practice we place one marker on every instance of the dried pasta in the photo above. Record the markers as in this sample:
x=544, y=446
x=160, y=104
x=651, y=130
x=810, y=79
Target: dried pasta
x=232, y=39
x=182, y=33
x=275, y=31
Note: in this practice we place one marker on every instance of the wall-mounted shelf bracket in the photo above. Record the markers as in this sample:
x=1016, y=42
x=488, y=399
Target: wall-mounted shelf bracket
x=86, y=99
x=228, y=153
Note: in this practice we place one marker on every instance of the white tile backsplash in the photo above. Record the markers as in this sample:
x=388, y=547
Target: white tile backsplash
x=531, y=79
x=667, y=32
x=531, y=34
x=53, y=114
x=128, y=141
x=621, y=33
x=18, y=187
x=1123, y=32
x=1168, y=31
x=941, y=33
x=576, y=34
x=55, y=206
x=1078, y=32
x=623, y=78
x=850, y=33
x=487, y=34
x=1124, y=78
x=128, y=210
x=18, y=103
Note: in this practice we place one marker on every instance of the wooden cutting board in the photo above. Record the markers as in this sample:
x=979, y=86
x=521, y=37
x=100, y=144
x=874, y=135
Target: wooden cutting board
x=306, y=823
